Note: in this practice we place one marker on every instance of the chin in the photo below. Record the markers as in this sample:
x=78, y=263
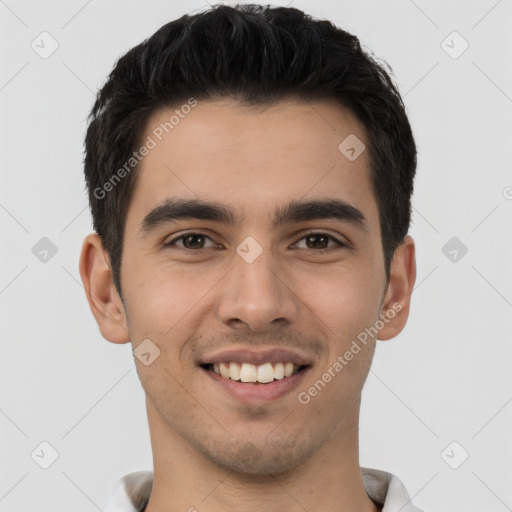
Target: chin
x=245, y=458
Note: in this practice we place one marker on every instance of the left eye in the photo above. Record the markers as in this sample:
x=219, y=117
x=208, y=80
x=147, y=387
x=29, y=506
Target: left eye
x=320, y=241
x=196, y=241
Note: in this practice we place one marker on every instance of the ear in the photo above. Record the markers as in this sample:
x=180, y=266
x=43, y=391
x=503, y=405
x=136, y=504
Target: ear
x=105, y=303
x=397, y=299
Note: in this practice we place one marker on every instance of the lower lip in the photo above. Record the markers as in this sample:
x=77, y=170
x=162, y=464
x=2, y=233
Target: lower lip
x=250, y=392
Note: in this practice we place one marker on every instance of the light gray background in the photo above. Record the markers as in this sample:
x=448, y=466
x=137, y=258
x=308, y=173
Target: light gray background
x=445, y=378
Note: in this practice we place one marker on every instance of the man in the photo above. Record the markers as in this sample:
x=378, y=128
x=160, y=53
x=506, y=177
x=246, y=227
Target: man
x=250, y=172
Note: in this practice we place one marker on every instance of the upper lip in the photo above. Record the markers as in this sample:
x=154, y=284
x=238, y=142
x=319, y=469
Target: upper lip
x=257, y=357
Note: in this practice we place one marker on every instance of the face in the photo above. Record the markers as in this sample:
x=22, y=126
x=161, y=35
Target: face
x=252, y=248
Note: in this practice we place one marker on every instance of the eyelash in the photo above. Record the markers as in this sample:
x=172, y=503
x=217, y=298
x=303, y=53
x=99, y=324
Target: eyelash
x=311, y=233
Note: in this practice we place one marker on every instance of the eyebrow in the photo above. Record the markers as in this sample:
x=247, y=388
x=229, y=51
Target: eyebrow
x=293, y=212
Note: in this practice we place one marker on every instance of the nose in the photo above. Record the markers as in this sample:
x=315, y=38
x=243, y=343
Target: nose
x=256, y=296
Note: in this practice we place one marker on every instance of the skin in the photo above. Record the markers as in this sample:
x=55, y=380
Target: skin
x=211, y=451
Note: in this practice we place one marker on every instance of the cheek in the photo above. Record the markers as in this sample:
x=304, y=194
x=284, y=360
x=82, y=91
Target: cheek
x=345, y=300
x=165, y=300
x=347, y=304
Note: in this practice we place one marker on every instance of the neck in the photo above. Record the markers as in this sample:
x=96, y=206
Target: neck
x=185, y=481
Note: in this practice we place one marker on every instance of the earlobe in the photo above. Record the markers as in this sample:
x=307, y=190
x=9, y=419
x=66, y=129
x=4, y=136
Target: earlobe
x=397, y=300
x=104, y=301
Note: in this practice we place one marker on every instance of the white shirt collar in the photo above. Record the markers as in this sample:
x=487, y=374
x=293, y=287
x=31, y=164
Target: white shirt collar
x=131, y=493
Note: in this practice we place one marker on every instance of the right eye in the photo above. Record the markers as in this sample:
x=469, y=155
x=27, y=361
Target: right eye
x=190, y=241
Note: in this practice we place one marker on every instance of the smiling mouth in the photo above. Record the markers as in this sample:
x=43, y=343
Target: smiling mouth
x=255, y=374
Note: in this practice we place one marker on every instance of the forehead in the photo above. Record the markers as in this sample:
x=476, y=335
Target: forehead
x=252, y=159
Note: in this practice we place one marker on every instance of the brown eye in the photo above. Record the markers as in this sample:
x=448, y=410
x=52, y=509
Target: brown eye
x=190, y=241
x=317, y=241
x=320, y=241
x=193, y=241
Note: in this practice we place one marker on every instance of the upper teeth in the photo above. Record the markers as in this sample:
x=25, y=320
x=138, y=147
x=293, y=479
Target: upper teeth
x=247, y=372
